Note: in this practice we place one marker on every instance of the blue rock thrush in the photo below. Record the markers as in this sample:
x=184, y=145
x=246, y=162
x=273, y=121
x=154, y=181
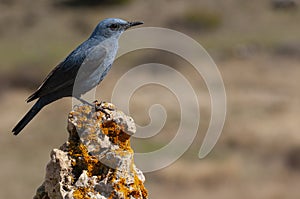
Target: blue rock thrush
x=84, y=68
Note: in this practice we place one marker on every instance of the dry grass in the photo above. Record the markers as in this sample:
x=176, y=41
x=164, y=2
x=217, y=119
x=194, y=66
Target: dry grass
x=251, y=156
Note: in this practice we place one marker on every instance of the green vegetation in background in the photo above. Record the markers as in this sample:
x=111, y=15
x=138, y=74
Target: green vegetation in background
x=202, y=19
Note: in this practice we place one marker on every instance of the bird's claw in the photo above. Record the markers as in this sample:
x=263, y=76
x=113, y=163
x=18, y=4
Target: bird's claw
x=102, y=106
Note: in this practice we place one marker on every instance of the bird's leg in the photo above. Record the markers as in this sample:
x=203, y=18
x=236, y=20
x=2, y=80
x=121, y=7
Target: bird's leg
x=84, y=101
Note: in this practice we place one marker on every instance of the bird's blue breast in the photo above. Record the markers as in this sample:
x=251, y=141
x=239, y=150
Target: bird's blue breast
x=98, y=61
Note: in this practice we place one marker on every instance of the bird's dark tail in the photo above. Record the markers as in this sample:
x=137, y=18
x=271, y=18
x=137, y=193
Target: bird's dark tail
x=28, y=117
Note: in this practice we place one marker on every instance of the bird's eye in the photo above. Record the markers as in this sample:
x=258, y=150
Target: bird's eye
x=114, y=26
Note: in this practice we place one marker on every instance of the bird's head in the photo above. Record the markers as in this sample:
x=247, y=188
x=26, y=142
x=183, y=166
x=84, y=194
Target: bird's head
x=113, y=27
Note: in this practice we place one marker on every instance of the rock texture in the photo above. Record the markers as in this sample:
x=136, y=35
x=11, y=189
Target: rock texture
x=97, y=160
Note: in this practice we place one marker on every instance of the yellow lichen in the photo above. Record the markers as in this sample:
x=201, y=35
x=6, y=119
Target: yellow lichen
x=135, y=190
x=81, y=193
x=82, y=159
x=85, y=119
x=116, y=135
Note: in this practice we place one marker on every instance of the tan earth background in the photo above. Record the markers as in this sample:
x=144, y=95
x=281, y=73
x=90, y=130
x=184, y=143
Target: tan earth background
x=256, y=46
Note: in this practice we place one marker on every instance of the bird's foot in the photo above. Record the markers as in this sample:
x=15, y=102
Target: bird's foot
x=104, y=107
x=85, y=102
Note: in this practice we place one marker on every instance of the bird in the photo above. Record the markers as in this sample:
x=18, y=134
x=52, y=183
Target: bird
x=82, y=70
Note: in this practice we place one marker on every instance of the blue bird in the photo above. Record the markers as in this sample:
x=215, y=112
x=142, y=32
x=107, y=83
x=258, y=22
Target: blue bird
x=83, y=69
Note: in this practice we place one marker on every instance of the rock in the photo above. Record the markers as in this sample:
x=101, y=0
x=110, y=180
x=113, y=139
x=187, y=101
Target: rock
x=97, y=160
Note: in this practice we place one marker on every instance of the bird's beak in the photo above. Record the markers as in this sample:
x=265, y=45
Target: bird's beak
x=134, y=23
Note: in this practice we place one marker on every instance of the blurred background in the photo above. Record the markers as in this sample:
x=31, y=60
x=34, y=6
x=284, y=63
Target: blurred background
x=256, y=46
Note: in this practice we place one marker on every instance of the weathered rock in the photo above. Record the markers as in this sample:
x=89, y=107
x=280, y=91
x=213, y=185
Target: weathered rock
x=97, y=160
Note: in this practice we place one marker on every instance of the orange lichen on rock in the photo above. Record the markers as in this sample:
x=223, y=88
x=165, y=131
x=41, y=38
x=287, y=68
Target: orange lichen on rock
x=82, y=159
x=133, y=190
x=81, y=193
x=116, y=135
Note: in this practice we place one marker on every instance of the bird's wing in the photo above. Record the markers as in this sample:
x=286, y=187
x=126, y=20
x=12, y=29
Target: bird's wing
x=92, y=62
x=64, y=74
